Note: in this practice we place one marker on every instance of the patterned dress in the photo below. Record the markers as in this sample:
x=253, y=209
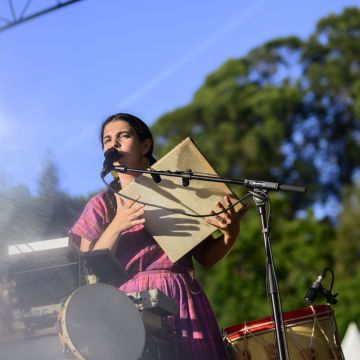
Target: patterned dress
x=197, y=333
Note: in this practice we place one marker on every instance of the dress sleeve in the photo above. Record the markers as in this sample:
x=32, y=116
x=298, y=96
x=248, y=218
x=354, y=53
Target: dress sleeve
x=92, y=220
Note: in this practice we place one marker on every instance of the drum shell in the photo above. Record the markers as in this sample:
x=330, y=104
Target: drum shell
x=311, y=333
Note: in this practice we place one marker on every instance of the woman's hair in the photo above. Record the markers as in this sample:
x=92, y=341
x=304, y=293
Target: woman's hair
x=141, y=129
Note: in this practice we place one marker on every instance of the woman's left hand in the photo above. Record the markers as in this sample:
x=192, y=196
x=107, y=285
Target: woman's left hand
x=229, y=221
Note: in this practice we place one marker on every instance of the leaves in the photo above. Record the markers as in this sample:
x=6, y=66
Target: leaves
x=287, y=111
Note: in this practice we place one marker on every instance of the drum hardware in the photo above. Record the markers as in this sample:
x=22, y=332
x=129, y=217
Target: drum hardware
x=154, y=300
x=91, y=279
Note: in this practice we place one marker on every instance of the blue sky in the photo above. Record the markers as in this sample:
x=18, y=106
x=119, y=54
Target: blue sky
x=63, y=73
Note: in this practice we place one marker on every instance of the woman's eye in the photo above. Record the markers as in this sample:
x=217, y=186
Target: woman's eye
x=125, y=135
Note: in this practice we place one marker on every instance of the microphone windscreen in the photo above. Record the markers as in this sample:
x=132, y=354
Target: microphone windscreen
x=111, y=155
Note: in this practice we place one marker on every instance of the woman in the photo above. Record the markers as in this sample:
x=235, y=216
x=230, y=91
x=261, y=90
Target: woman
x=121, y=228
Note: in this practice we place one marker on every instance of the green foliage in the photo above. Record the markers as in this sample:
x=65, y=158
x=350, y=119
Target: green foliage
x=332, y=68
x=347, y=249
x=346, y=252
x=288, y=110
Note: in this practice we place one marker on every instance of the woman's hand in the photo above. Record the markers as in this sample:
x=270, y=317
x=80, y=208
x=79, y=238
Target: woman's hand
x=128, y=214
x=210, y=251
x=229, y=221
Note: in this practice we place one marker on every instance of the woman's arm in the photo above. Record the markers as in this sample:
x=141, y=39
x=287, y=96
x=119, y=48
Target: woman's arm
x=211, y=250
x=128, y=214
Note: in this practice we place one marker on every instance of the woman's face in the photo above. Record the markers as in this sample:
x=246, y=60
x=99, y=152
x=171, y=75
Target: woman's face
x=120, y=135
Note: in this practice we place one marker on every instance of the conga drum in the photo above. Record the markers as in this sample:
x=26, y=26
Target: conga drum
x=98, y=321
x=311, y=334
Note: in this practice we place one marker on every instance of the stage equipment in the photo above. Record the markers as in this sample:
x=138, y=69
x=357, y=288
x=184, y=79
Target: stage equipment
x=43, y=310
x=98, y=321
x=311, y=334
x=44, y=272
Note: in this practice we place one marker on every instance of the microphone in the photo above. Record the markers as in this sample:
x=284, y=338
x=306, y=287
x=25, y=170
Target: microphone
x=314, y=288
x=110, y=155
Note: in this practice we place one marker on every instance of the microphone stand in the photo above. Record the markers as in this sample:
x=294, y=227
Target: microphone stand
x=272, y=288
x=258, y=189
x=188, y=175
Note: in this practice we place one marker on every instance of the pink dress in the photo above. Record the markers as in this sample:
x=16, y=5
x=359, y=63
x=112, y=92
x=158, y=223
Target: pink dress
x=197, y=333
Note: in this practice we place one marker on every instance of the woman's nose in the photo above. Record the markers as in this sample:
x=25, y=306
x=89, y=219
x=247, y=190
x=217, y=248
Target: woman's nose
x=115, y=143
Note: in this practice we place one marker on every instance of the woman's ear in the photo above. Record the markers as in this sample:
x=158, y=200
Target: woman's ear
x=146, y=145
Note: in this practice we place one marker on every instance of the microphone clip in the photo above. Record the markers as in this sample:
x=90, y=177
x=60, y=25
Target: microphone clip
x=155, y=177
x=317, y=288
x=330, y=298
x=186, y=177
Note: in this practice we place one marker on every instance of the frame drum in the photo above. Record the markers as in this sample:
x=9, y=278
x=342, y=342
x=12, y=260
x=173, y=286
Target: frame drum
x=98, y=321
x=311, y=333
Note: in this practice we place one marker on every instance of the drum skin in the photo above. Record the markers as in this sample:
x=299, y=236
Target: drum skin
x=98, y=321
x=311, y=334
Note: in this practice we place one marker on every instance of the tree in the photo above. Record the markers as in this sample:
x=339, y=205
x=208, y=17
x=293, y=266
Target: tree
x=331, y=64
x=48, y=214
x=58, y=210
x=346, y=252
x=288, y=110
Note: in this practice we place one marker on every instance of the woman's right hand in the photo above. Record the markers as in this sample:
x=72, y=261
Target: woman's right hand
x=128, y=214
